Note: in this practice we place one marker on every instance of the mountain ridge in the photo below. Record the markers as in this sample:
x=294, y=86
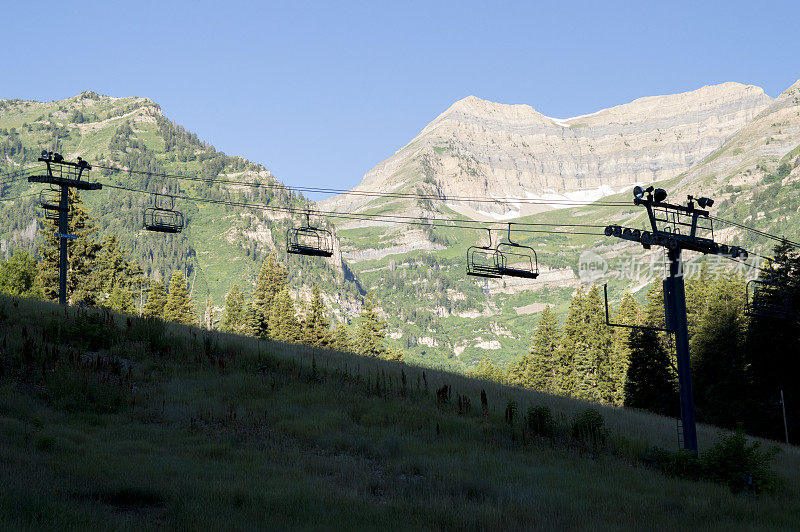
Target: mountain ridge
x=477, y=147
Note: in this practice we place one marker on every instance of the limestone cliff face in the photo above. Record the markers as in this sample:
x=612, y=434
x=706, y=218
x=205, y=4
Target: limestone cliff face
x=478, y=148
x=771, y=135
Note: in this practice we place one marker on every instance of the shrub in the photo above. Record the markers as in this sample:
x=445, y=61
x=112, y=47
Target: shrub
x=682, y=463
x=741, y=466
x=541, y=421
x=730, y=461
x=92, y=331
x=511, y=412
x=587, y=427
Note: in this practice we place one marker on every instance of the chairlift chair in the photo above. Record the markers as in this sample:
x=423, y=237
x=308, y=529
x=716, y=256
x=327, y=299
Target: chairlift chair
x=484, y=261
x=517, y=260
x=309, y=240
x=50, y=199
x=162, y=217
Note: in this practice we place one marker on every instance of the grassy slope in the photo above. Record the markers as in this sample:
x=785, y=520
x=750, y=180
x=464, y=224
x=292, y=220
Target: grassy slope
x=196, y=445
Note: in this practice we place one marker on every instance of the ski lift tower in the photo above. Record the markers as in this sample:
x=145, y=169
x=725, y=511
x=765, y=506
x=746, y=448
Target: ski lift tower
x=66, y=175
x=677, y=227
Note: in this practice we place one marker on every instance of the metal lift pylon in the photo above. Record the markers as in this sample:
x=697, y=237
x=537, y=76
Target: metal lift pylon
x=65, y=175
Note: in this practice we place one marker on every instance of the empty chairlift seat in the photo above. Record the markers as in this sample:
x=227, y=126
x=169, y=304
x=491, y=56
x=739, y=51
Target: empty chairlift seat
x=162, y=217
x=517, y=260
x=483, y=261
x=309, y=240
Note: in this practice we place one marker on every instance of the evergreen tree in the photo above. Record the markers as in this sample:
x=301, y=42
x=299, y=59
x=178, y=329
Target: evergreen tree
x=81, y=255
x=209, y=315
x=113, y=275
x=341, y=338
x=627, y=314
x=179, y=305
x=586, y=348
x=120, y=299
x=487, y=371
x=572, y=342
x=650, y=380
x=538, y=369
x=271, y=281
x=718, y=357
x=771, y=349
x=233, y=322
x=316, y=328
x=371, y=332
x=591, y=362
x=156, y=301
x=253, y=322
x=283, y=324
x=18, y=275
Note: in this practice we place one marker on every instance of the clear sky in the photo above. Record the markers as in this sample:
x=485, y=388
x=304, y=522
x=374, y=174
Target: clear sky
x=319, y=92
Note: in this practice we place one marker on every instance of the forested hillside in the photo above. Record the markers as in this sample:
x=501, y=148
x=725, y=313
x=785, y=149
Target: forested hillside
x=220, y=246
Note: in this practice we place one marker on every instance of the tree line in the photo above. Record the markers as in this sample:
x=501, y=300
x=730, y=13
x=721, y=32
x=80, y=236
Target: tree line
x=745, y=366
x=743, y=362
x=101, y=274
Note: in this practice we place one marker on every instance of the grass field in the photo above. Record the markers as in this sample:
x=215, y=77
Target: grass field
x=109, y=422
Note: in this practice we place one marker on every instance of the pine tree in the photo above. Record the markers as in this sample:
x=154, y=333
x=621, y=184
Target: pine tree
x=179, y=306
x=371, y=332
x=341, y=338
x=650, y=381
x=718, y=357
x=771, y=350
x=591, y=362
x=316, y=328
x=253, y=323
x=114, y=275
x=627, y=314
x=538, y=369
x=234, y=311
x=119, y=299
x=573, y=342
x=209, y=315
x=271, y=281
x=18, y=275
x=81, y=255
x=487, y=371
x=156, y=301
x=283, y=323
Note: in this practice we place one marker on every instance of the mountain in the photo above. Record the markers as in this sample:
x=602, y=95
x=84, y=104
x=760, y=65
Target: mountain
x=220, y=245
x=486, y=149
x=731, y=142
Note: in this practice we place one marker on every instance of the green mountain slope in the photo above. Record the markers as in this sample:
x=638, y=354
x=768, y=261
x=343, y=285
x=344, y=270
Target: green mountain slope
x=220, y=246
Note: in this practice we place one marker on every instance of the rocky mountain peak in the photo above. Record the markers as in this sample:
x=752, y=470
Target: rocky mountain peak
x=493, y=150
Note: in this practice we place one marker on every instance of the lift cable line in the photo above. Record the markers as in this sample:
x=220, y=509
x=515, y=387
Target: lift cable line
x=756, y=231
x=562, y=202
x=398, y=219
x=368, y=193
x=61, y=176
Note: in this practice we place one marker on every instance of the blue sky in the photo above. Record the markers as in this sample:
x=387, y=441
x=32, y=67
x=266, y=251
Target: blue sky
x=319, y=92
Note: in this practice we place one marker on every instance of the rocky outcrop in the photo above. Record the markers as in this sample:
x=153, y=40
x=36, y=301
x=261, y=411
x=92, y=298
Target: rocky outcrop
x=481, y=149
